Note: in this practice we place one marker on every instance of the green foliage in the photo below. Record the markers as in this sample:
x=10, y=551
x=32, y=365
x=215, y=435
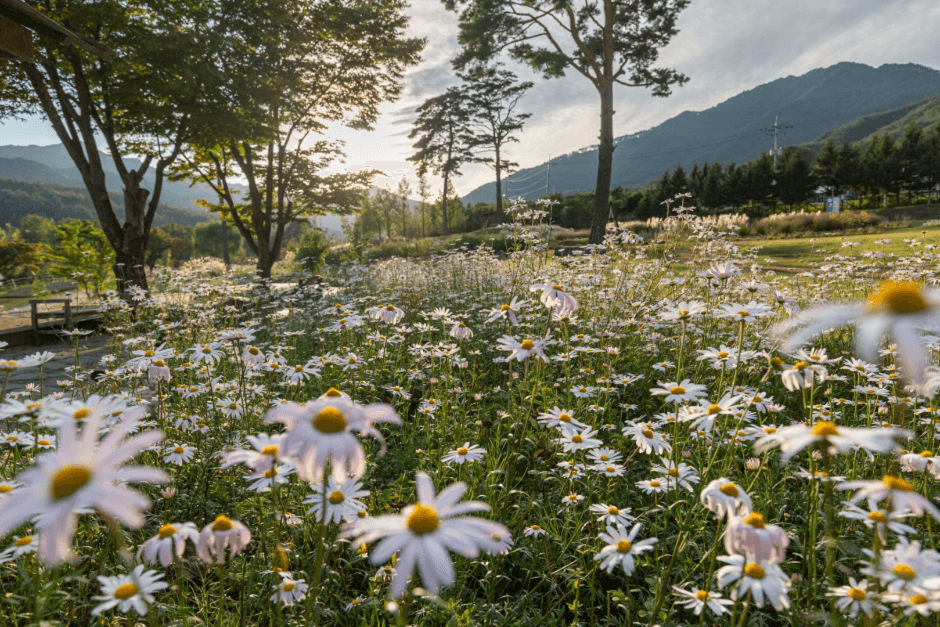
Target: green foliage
x=311, y=249
x=19, y=257
x=83, y=254
x=172, y=242
x=209, y=240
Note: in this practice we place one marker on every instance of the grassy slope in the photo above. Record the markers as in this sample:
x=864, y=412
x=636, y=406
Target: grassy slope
x=800, y=253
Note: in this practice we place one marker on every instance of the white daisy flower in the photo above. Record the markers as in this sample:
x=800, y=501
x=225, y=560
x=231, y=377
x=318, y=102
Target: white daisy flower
x=126, y=592
x=341, y=504
x=423, y=533
x=169, y=541
x=290, y=590
x=221, y=534
x=464, y=454
x=82, y=474
x=764, y=580
x=700, y=599
x=621, y=548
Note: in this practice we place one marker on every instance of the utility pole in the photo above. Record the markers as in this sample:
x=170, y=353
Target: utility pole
x=776, y=127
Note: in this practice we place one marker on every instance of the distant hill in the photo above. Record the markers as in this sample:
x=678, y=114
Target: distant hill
x=813, y=104
x=50, y=200
x=923, y=113
x=54, y=165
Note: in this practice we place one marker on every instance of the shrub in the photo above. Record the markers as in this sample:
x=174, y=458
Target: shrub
x=311, y=249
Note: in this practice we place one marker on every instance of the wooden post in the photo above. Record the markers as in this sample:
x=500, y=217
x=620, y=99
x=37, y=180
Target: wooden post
x=68, y=310
x=34, y=318
x=16, y=42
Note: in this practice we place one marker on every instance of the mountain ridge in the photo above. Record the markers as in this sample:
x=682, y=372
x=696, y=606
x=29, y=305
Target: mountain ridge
x=735, y=129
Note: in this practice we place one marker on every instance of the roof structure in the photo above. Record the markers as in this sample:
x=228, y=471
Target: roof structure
x=17, y=19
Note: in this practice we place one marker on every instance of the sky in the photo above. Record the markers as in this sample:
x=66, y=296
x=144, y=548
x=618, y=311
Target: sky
x=723, y=46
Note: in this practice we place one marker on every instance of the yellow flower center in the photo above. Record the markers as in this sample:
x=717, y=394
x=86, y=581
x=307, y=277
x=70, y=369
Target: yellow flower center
x=44, y=443
x=329, y=420
x=81, y=413
x=69, y=479
x=12, y=438
x=770, y=430
x=564, y=418
x=744, y=313
x=179, y=450
x=896, y=483
x=390, y=308
x=287, y=586
x=878, y=517
x=527, y=345
x=495, y=537
x=611, y=469
x=207, y=350
x=5, y=488
x=271, y=472
x=904, y=571
x=23, y=541
x=577, y=439
x=856, y=594
x=557, y=287
x=337, y=497
x=270, y=450
x=333, y=392
x=677, y=390
x=917, y=599
x=254, y=351
x=800, y=365
x=126, y=591
x=655, y=484
x=463, y=450
x=723, y=355
x=673, y=472
x=423, y=519
x=754, y=571
x=166, y=531
x=33, y=406
x=755, y=520
x=222, y=523
x=648, y=433
x=825, y=428
x=148, y=353
x=624, y=546
x=613, y=511
x=729, y=489
x=505, y=308
x=713, y=409
x=536, y=528
x=901, y=297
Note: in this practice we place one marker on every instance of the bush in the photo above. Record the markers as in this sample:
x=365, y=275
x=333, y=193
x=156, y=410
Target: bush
x=311, y=249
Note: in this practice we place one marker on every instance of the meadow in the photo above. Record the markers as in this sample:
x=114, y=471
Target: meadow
x=643, y=433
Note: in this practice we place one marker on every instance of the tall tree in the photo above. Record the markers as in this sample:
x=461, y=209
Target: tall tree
x=828, y=169
x=850, y=166
x=736, y=185
x=144, y=103
x=930, y=161
x=713, y=193
x=443, y=140
x=492, y=96
x=795, y=180
x=307, y=64
x=403, y=191
x=909, y=159
x=883, y=165
x=424, y=192
x=760, y=177
x=609, y=42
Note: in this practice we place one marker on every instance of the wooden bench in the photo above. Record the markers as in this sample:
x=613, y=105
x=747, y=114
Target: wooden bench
x=36, y=315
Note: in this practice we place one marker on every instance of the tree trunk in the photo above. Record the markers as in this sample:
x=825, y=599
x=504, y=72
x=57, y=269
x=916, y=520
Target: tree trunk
x=604, y=166
x=444, y=206
x=264, y=262
x=226, y=257
x=131, y=251
x=499, y=191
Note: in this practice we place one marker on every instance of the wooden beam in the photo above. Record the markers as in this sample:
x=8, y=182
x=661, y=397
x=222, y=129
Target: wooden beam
x=15, y=41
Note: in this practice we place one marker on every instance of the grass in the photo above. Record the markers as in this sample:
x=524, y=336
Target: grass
x=804, y=252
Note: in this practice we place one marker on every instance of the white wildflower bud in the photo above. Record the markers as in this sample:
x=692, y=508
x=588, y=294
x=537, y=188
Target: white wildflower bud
x=753, y=463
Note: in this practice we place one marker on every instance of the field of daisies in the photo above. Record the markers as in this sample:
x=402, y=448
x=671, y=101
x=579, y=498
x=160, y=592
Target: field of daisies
x=650, y=432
